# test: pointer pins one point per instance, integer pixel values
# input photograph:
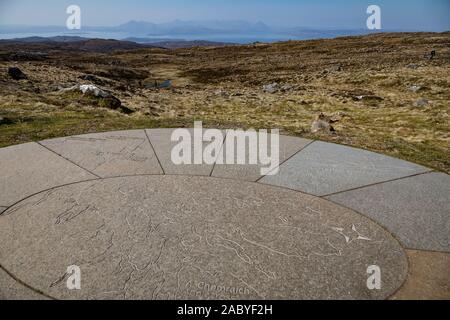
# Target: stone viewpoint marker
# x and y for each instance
(138, 227)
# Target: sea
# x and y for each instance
(142, 38)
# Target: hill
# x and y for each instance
(72, 43)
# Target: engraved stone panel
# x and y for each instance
(174, 237)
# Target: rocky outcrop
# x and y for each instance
(100, 97)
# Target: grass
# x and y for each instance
(28, 125)
(67, 123)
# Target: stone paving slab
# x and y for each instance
(29, 168)
(415, 209)
(178, 237)
(429, 277)
(242, 234)
(162, 144)
(323, 168)
(109, 154)
(288, 147)
(10, 289)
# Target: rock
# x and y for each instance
(105, 98)
(431, 55)
(271, 88)
(368, 98)
(335, 68)
(322, 123)
(415, 88)
(113, 103)
(90, 77)
(421, 103)
(221, 93)
(16, 73)
(5, 121)
(275, 87)
(287, 88)
(94, 90)
(126, 110)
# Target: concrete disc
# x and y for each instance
(184, 237)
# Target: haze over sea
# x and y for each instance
(231, 38)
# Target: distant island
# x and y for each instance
(241, 32)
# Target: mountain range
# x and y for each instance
(179, 27)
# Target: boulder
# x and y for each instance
(16, 73)
(431, 55)
(287, 88)
(113, 103)
(415, 88)
(322, 124)
(335, 68)
(103, 98)
(221, 93)
(421, 103)
(271, 88)
(373, 98)
(126, 110)
(94, 90)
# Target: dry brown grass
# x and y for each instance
(223, 87)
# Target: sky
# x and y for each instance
(420, 15)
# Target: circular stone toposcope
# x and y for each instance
(184, 237)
